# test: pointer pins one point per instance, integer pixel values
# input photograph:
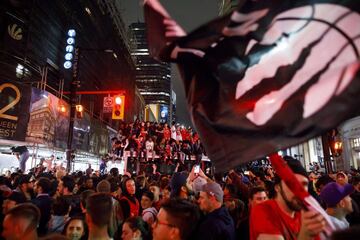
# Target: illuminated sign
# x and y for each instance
(69, 48)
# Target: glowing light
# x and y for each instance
(68, 56)
(118, 100)
(79, 108)
(71, 33)
(70, 40)
(67, 64)
(69, 48)
(62, 108)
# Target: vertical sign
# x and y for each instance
(70, 49)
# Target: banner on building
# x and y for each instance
(14, 110)
(81, 134)
(49, 119)
(99, 138)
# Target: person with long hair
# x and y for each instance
(128, 200)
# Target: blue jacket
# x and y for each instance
(217, 225)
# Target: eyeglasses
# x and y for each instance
(157, 222)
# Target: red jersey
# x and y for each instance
(134, 207)
(143, 132)
(185, 134)
(268, 218)
(167, 133)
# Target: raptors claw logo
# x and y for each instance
(311, 29)
(15, 32)
(268, 76)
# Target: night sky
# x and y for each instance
(190, 14)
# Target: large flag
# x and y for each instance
(267, 76)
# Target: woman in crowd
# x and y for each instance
(128, 201)
(75, 229)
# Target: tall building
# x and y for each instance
(153, 78)
(32, 47)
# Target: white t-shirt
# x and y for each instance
(173, 132)
(149, 215)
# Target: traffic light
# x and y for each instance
(79, 111)
(118, 107)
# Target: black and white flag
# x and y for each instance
(268, 76)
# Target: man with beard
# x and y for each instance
(65, 190)
(180, 188)
(281, 217)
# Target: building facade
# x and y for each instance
(32, 47)
(153, 78)
(349, 133)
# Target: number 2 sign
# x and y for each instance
(14, 110)
(11, 104)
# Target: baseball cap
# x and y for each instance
(333, 193)
(177, 181)
(214, 189)
(198, 184)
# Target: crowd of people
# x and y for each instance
(255, 204)
(150, 142)
(251, 202)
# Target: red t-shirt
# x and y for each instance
(185, 134)
(268, 218)
(167, 133)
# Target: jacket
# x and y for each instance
(216, 225)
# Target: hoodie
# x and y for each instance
(217, 225)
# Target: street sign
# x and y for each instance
(108, 104)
